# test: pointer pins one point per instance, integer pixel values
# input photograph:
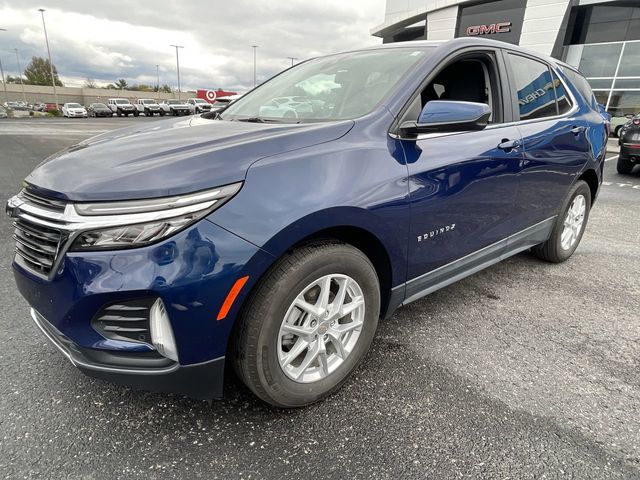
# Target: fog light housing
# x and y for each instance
(161, 332)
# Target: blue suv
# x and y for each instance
(272, 236)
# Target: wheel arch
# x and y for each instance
(592, 180)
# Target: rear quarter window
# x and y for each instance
(583, 87)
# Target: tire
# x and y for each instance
(162, 113)
(624, 167)
(553, 250)
(119, 112)
(616, 132)
(136, 113)
(255, 350)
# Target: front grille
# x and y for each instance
(48, 203)
(126, 321)
(37, 246)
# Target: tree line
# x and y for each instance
(38, 72)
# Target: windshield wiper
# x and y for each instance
(252, 120)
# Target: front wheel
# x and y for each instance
(308, 324)
(569, 226)
(616, 132)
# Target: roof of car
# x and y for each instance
(462, 42)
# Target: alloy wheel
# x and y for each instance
(321, 328)
(573, 222)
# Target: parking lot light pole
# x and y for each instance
(293, 59)
(4, 84)
(46, 39)
(24, 97)
(178, 66)
(255, 49)
(158, 78)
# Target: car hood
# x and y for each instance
(170, 157)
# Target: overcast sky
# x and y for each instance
(110, 39)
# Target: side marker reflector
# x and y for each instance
(231, 297)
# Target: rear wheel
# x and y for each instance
(308, 324)
(569, 227)
(624, 167)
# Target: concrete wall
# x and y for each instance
(37, 93)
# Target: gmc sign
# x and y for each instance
(502, 27)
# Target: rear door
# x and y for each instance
(554, 134)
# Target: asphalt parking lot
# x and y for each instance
(524, 370)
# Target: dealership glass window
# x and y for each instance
(601, 83)
(617, 87)
(600, 60)
(625, 102)
(630, 63)
(534, 86)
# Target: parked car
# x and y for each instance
(99, 110)
(148, 107)
(629, 146)
(73, 110)
(618, 121)
(3, 113)
(175, 107)
(121, 106)
(276, 244)
(198, 105)
(39, 107)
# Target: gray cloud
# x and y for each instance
(113, 39)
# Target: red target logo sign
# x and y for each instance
(210, 95)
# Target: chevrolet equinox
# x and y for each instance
(272, 236)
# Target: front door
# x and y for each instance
(462, 186)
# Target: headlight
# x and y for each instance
(138, 223)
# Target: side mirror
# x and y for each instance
(449, 116)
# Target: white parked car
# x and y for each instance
(198, 105)
(71, 110)
(121, 106)
(175, 107)
(148, 106)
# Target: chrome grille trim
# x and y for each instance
(37, 247)
(48, 203)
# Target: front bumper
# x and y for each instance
(191, 272)
(154, 373)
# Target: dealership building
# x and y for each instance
(601, 38)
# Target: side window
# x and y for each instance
(562, 97)
(582, 86)
(471, 78)
(534, 86)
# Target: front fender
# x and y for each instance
(350, 182)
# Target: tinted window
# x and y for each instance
(562, 97)
(534, 86)
(583, 87)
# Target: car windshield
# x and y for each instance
(336, 87)
(174, 102)
(148, 102)
(98, 105)
(199, 100)
(74, 105)
(121, 102)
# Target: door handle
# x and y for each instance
(508, 145)
(578, 130)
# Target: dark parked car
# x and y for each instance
(99, 110)
(276, 244)
(629, 146)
